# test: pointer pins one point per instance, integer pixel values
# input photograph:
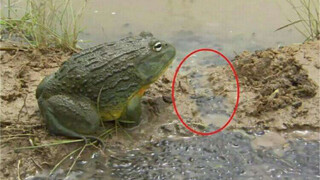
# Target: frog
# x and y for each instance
(101, 84)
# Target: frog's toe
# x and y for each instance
(128, 124)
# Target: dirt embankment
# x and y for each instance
(279, 88)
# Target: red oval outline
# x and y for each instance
(174, 102)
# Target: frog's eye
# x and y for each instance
(157, 46)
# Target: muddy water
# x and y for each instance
(227, 25)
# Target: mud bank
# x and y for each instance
(279, 88)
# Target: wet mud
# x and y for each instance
(228, 155)
(279, 88)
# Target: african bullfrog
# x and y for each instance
(105, 82)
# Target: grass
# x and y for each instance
(44, 24)
(308, 18)
(79, 150)
(50, 144)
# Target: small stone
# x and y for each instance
(297, 104)
(167, 99)
(249, 131)
(281, 57)
(165, 80)
(317, 65)
(260, 133)
(168, 128)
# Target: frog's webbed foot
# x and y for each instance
(93, 138)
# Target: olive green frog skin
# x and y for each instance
(104, 82)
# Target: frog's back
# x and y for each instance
(111, 73)
(106, 67)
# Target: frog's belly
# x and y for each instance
(111, 114)
(114, 112)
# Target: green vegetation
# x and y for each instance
(44, 23)
(308, 17)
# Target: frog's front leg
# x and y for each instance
(132, 115)
(70, 116)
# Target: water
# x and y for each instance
(226, 25)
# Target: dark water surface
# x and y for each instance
(227, 155)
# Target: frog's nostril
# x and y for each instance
(166, 44)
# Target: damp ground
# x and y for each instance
(273, 135)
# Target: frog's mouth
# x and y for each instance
(166, 68)
(158, 74)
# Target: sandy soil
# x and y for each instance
(279, 88)
(22, 125)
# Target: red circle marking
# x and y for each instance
(174, 102)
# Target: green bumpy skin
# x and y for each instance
(105, 82)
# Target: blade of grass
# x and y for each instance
(62, 160)
(290, 24)
(49, 23)
(9, 9)
(98, 105)
(299, 15)
(106, 132)
(51, 144)
(125, 121)
(75, 160)
(308, 14)
(129, 136)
